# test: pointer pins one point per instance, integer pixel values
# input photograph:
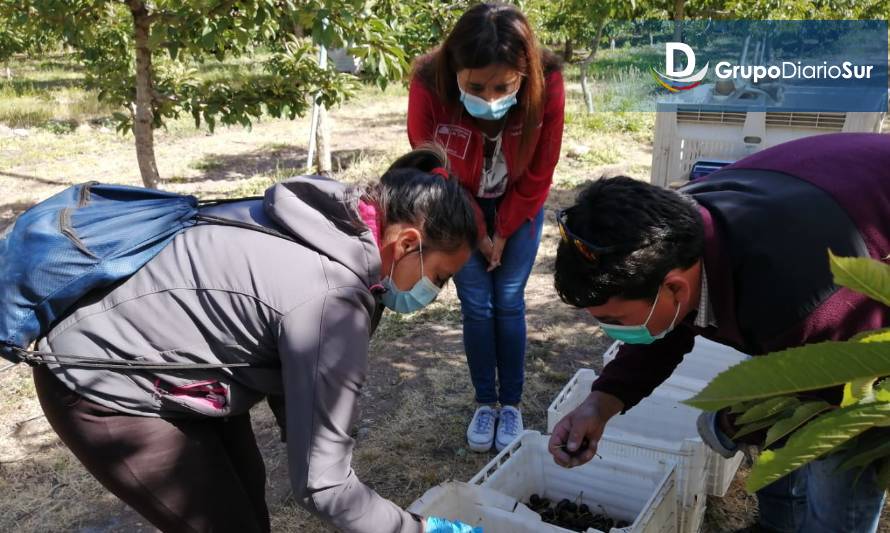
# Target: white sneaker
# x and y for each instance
(509, 426)
(480, 434)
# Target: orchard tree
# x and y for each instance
(17, 40)
(810, 9)
(419, 26)
(582, 21)
(555, 23)
(142, 55)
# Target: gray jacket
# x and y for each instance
(303, 313)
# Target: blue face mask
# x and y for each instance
(421, 294)
(639, 334)
(482, 108)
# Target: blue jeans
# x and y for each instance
(493, 309)
(816, 498)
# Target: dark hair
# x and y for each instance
(618, 211)
(408, 192)
(488, 34)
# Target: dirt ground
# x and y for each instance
(418, 399)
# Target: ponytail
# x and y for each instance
(417, 189)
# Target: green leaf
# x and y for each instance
(818, 438)
(155, 38)
(382, 66)
(768, 408)
(878, 335)
(864, 275)
(801, 415)
(882, 391)
(849, 398)
(815, 366)
(743, 406)
(868, 450)
(858, 390)
(761, 424)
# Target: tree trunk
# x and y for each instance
(585, 65)
(568, 51)
(143, 114)
(323, 143)
(679, 8)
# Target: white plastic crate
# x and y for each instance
(572, 394)
(659, 429)
(698, 368)
(697, 514)
(642, 492)
(685, 136)
(478, 507)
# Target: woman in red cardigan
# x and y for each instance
(495, 101)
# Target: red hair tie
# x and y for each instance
(440, 171)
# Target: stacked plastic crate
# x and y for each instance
(653, 471)
(698, 368)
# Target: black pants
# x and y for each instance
(189, 475)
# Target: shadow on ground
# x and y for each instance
(277, 161)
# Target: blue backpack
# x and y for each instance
(84, 238)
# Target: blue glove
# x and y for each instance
(435, 524)
(709, 431)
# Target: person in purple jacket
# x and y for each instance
(739, 257)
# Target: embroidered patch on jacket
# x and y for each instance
(455, 139)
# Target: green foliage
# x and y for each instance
(764, 391)
(419, 26)
(577, 20)
(816, 439)
(801, 415)
(871, 446)
(809, 9)
(767, 409)
(186, 34)
(808, 367)
(871, 278)
(761, 424)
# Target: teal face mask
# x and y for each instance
(482, 108)
(639, 334)
(421, 294)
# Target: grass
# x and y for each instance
(611, 136)
(48, 91)
(40, 495)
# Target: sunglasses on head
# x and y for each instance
(589, 251)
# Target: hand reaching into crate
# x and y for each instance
(574, 439)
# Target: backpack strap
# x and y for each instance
(213, 219)
(224, 201)
(35, 358)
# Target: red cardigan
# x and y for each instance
(429, 119)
